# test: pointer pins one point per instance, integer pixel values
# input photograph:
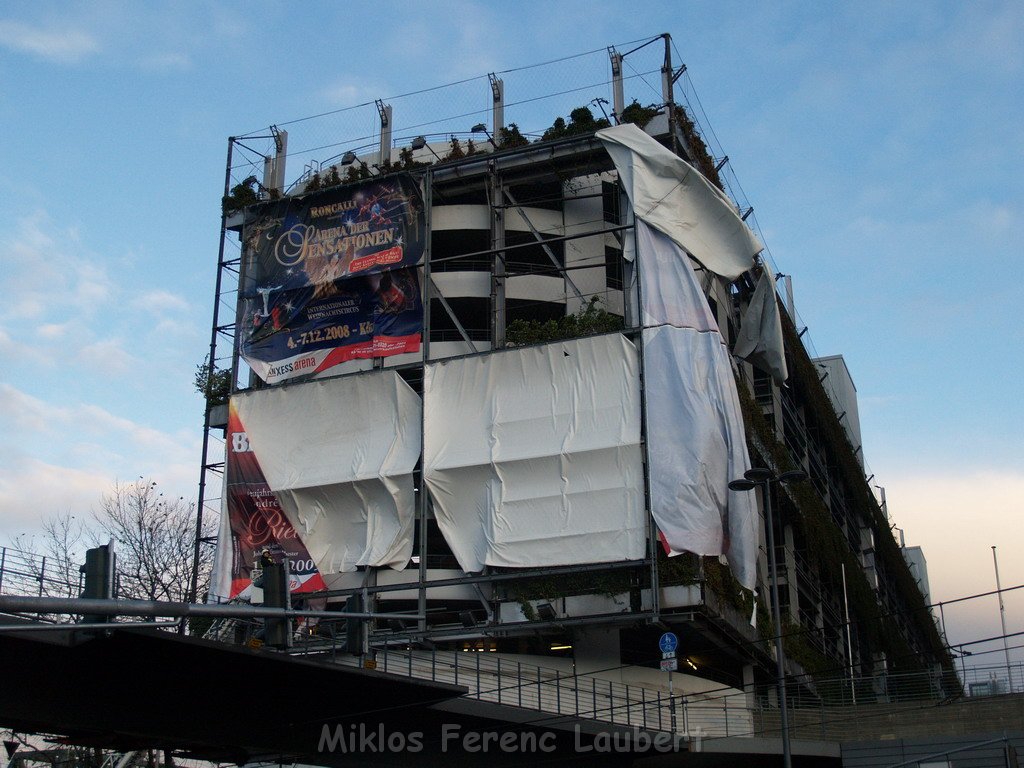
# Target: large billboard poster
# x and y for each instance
(334, 278)
(256, 521)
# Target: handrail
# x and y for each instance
(928, 758)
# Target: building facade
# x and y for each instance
(526, 256)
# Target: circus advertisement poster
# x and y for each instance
(257, 522)
(330, 277)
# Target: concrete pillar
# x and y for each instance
(596, 648)
(748, 684)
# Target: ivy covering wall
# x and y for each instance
(827, 547)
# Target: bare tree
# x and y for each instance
(48, 564)
(153, 537)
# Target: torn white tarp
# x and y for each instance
(760, 336)
(339, 454)
(695, 437)
(669, 292)
(675, 198)
(532, 456)
(696, 447)
(220, 574)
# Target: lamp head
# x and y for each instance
(348, 158)
(418, 143)
(742, 485)
(793, 476)
(478, 128)
(759, 474)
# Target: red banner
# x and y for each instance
(257, 521)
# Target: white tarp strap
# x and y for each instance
(674, 197)
(695, 438)
(223, 554)
(339, 454)
(532, 456)
(760, 337)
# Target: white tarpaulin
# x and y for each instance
(339, 454)
(675, 198)
(760, 336)
(220, 574)
(669, 291)
(695, 437)
(532, 456)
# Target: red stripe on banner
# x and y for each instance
(384, 346)
(379, 346)
(314, 583)
(664, 543)
(381, 258)
(340, 355)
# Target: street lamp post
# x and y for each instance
(1002, 618)
(759, 476)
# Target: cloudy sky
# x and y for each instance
(881, 147)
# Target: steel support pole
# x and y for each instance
(424, 500)
(546, 248)
(849, 640)
(1002, 619)
(201, 499)
(667, 73)
(496, 198)
(618, 97)
(780, 658)
(652, 526)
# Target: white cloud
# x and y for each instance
(62, 45)
(990, 41)
(12, 349)
(48, 272)
(107, 356)
(957, 514)
(59, 457)
(159, 302)
(55, 331)
(995, 222)
(22, 411)
(351, 90)
(174, 61)
(63, 305)
(31, 490)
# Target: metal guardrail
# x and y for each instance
(490, 677)
(28, 574)
(907, 704)
(993, 679)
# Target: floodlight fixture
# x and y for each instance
(420, 142)
(481, 128)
